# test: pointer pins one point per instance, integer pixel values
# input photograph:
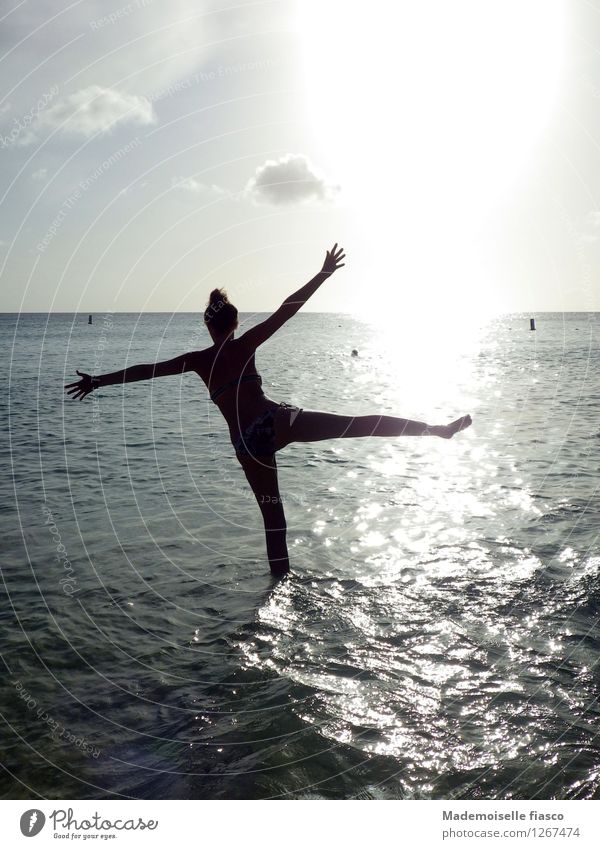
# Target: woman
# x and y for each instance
(258, 426)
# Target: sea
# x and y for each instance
(438, 636)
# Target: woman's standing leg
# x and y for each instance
(261, 473)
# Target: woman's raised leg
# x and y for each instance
(261, 473)
(309, 426)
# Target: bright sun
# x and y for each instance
(428, 111)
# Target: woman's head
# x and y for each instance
(220, 316)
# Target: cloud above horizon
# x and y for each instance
(96, 109)
(194, 186)
(291, 179)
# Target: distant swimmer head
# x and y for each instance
(220, 316)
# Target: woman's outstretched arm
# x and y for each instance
(146, 371)
(259, 334)
(333, 261)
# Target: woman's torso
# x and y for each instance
(240, 401)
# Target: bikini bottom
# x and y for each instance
(258, 438)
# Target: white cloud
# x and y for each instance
(191, 184)
(292, 179)
(40, 174)
(94, 109)
(26, 138)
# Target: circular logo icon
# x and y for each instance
(32, 822)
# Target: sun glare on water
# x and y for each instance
(428, 113)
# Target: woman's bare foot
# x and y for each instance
(448, 431)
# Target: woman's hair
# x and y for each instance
(219, 313)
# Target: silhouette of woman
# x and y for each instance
(258, 426)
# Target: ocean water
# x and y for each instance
(438, 637)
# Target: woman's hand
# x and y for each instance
(333, 260)
(82, 387)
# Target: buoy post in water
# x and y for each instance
(89, 319)
(532, 323)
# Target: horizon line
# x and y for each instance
(262, 312)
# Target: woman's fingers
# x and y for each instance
(81, 388)
(335, 252)
(333, 258)
(77, 390)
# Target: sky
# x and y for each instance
(152, 150)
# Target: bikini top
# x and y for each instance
(236, 382)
